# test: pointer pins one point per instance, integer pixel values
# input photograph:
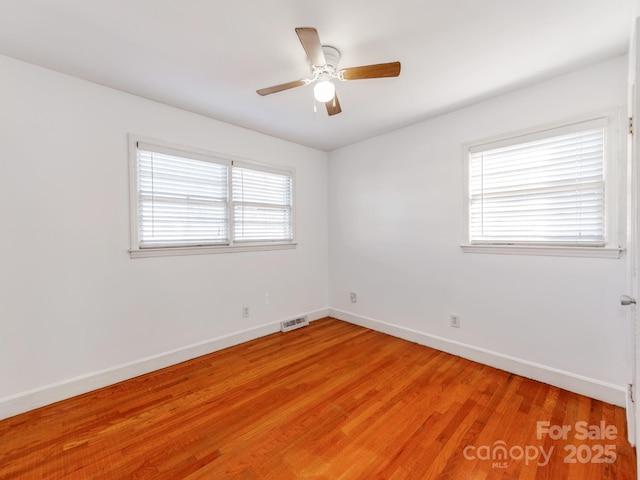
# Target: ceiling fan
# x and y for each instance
(323, 61)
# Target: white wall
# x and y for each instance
(396, 223)
(76, 311)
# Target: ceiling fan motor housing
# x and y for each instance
(329, 69)
(332, 56)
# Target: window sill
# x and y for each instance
(180, 251)
(551, 251)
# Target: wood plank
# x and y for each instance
(328, 401)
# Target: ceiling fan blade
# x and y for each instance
(379, 70)
(311, 43)
(333, 106)
(281, 87)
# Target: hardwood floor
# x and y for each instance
(329, 401)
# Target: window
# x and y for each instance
(181, 201)
(261, 205)
(187, 202)
(542, 189)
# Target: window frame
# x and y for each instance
(614, 188)
(136, 251)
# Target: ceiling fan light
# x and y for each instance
(324, 91)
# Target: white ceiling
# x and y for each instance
(210, 56)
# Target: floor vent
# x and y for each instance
(288, 325)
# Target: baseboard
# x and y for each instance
(607, 392)
(48, 394)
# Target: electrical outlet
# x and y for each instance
(455, 321)
(245, 312)
(354, 297)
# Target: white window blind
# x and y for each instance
(546, 188)
(262, 202)
(182, 201)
